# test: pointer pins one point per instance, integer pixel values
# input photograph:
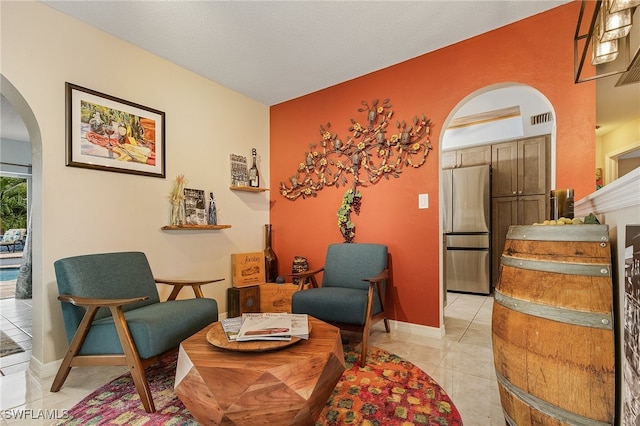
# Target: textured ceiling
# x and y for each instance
(274, 51)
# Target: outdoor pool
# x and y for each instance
(8, 274)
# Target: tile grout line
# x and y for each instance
(472, 320)
(16, 326)
(23, 312)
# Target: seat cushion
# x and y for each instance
(346, 305)
(154, 328)
(12, 236)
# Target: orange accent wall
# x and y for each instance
(537, 51)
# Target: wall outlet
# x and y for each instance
(423, 201)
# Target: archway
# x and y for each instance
(493, 114)
(23, 109)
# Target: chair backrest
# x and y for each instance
(347, 264)
(14, 235)
(104, 276)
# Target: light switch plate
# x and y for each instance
(423, 201)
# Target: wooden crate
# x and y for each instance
(242, 300)
(276, 297)
(247, 269)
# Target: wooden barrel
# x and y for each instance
(552, 326)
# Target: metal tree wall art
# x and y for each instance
(369, 152)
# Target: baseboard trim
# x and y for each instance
(417, 329)
(40, 370)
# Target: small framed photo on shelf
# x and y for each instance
(194, 207)
(239, 171)
(111, 134)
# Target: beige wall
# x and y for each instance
(615, 143)
(79, 211)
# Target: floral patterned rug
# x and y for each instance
(388, 391)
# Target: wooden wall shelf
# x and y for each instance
(247, 189)
(193, 227)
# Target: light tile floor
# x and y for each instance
(461, 363)
(15, 321)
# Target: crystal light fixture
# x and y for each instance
(618, 5)
(614, 25)
(605, 32)
(604, 51)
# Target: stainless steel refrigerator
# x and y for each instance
(467, 224)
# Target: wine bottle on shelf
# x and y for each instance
(212, 218)
(270, 258)
(254, 176)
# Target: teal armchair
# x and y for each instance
(353, 289)
(113, 315)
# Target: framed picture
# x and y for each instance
(107, 133)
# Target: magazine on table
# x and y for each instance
(264, 326)
(231, 327)
(300, 325)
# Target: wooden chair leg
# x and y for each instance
(365, 331)
(365, 344)
(74, 349)
(133, 359)
(382, 302)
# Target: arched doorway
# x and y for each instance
(494, 114)
(17, 101)
(15, 175)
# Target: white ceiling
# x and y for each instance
(274, 51)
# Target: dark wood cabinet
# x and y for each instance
(467, 157)
(532, 209)
(449, 159)
(520, 188)
(504, 213)
(475, 156)
(533, 169)
(520, 167)
(504, 169)
(514, 210)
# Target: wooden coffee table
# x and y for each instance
(287, 386)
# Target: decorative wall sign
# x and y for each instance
(239, 172)
(107, 133)
(194, 207)
(367, 154)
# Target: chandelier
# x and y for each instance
(605, 35)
